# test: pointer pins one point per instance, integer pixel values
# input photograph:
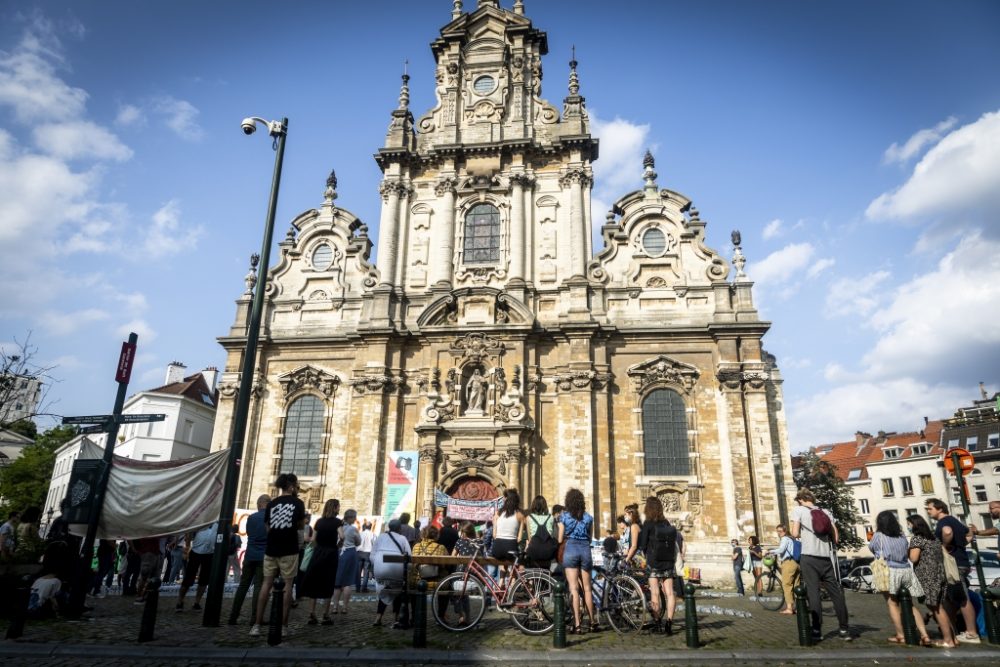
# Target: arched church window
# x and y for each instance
(482, 235)
(303, 440)
(664, 434)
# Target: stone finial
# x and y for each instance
(250, 280)
(290, 235)
(404, 90)
(330, 193)
(609, 219)
(648, 174)
(574, 80)
(456, 9)
(519, 7)
(739, 261)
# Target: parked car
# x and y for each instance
(991, 567)
(859, 579)
(848, 564)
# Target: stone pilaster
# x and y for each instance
(388, 231)
(443, 235)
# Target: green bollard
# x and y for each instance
(420, 616)
(147, 625)
(277, 611)
(690, 617)
(559, 620)
(992, 616)
(910, 633)
(802, 616)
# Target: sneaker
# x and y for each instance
(968, 638)
(196, 606)
(179, 608)
(845, 635)
(255, 630)
(817, 636)
(286, 632)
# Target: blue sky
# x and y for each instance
(856, 145)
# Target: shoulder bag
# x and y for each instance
(951, 573)
(880, 571)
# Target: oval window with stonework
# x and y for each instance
(483, 85)
(654, 242)
(322, 258)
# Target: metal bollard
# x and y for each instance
(277, 611)
(992, 616)
(910, 633)
(559, 615)
(420, 616)
(148, 623)
(690, 617)
(16, 627)
(802, 616)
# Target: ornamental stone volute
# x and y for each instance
(663, 370)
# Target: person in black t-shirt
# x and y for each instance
(284, 517)
(954, 536)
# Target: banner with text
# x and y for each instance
(401, 484)
(471, 510)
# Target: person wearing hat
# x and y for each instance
(389, 576)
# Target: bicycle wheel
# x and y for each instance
(530, 603)
(626, 604)
(458, 603)
(771, 596)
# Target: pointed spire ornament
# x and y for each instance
(404, 90)
(648, 173)
(574, 80)
(330, 194)
(739, 261)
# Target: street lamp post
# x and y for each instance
(213, 601)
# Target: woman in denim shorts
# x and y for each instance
(576, 528)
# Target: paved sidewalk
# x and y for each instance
(732, 630)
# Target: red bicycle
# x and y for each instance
(460, 599)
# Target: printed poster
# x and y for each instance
(401, 484)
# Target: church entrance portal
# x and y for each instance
(473, 488)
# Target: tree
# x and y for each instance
(25, 482)
(24, 383)
(832, 494)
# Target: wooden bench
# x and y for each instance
(440, 560)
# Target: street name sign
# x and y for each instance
(111, 419)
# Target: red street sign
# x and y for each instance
(125, 363)
(966, 462)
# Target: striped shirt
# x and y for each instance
(895, 550)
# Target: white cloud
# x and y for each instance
(80, 140)
(820, 266)
(942, 324)
(166, 235)
(781, 265)
(28, 81)
(917, 142)
(623, 144)
(856, 297)
(772, 229)
(960, 174)
(891, 405)
(140, 327)
(130, 115)
(180, 116)
(63, 324)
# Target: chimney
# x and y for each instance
(175, 372)
(210, 374)
(926, 422)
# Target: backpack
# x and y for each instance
(664, 543)
(796, 550)
(821, 524)
(542, 546)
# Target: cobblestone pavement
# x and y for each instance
(729, 624)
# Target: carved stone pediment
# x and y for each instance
(665, 370)
(476, 347)
(474, 307)
(308, 377)
(373, 383)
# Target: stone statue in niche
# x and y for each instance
(475, 393)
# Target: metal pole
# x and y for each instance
(217, 581)
(559, 615)
(910, 633)
(690, 617)
(802, 619)
(420, 616)
(78, 593)
(147, 625)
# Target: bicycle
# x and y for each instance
(618, 596)
(767, 586)
(526, 594)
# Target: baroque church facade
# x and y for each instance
(491, 338)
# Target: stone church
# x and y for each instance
(494, 340)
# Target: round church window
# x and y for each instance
(322, 257)
(654, 241)
(483, 85)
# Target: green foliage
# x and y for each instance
(25, 482)
(24, 427)
(832, 494)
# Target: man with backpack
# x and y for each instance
(817, 531)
